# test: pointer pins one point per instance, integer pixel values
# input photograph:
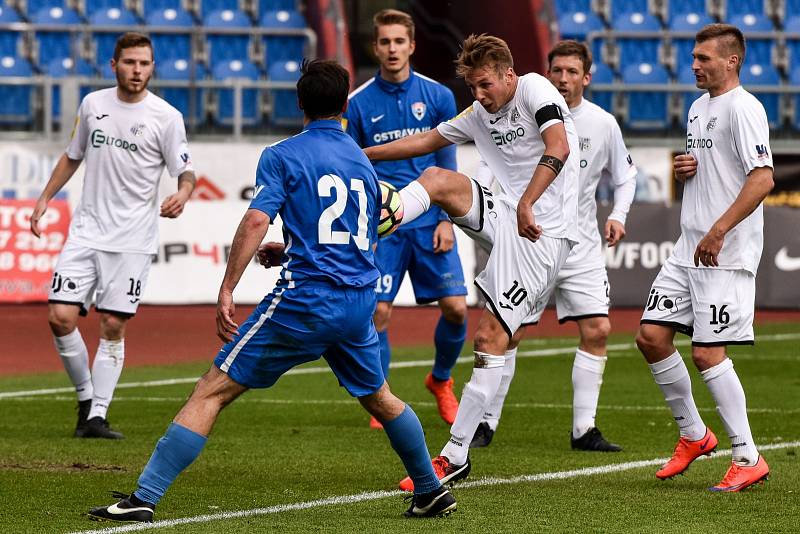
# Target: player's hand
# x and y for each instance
(270, 254)
(707, 251)
(173, 205)
(526, 224)
(615, 232)
(226, 327)
(443, 237)
(685, 167)
(38, 212)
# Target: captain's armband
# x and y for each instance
(552, 163)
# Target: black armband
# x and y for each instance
(550, 112)
(552, 163)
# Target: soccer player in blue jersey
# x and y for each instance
(326, 193)
(395, 103)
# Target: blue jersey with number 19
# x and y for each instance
(326, 193)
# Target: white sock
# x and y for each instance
(105, 373)
(75, 357)
(672, 377)
(725, 387)
(478, 392)
(416, 201)
(587, 377)
(495, 409)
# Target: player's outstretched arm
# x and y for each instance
(408, 147)
(251, 231)
(172, 206)
(62, 172)
(758, 185)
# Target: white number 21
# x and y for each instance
(329, 236)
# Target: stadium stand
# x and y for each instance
(55, 43)
(279, 47)
(227, 46)
(647, 109)
(16, 104)
(284, 105)
(180, 69)
(251, 109)
(168, 45)
(602, 74)
(753, 77)
(104, 41)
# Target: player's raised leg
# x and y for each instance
(450, 190)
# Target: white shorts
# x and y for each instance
(116, 280)
(581, 293)
(520, 273)
(713, 306)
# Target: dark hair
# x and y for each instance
(387, 17)
(479, 51)
(730, 40)
(322, 89)
(131, 40)
(571, 48)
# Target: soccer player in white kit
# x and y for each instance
(706, 288)
(523, 130)
(127, 136)
(581, 288)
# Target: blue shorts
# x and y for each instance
(300, 324)
(433, 276)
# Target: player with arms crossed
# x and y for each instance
(399, 101)
(706, 288)
(581, 288)
(127, 136)
(326, 193)
(523, 130)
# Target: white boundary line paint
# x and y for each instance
(375, 495)
(539, 353)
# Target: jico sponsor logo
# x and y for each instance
(660, 302)
(99, 138)
(508, 137)
(692, 142)
(391, 135)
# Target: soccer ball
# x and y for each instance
(391, 209)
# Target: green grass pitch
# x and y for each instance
(305, 442)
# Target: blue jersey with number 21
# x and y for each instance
(326, 193)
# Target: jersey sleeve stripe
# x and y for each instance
(360, 88)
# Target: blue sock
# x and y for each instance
(449, 340)
(408, 440)
(174, 452)
(386, 352)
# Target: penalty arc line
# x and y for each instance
(375, 495)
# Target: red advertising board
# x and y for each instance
(27, 262)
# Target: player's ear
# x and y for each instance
(412, 47)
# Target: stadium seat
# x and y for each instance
(209, 6)
(15, 106)
(284, 101)
(93, 6)
(602, 73)
(180, 97)
(168, 46)
(577, 25)
(793, 44)
(682, 48)
(759, 48)
(744, 7)
(34, 6)
(231, 69)
(150, 6)
(686, 77)
(754, 75)
(283, 47)
(794, 80)
(677, 8)
(647, 110)
(281, 5)
(621, 8)
(61, 68)
(227, 47)
(106, 41)
(57, 43)
(10, 41)
(642, 49)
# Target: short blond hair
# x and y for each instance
(479, 51)
(387, 17)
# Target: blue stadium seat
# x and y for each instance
(793, 44)
(10, 41)
(227, 70)
(601, 73)
(106, 41)
(647, 110)
(55, 44)
(619, 8)
(149, 6)
(168, 46)
(93, 6)
(751, 22)
(209, 6)
(682, 48)
(180, 97)
(578, 24)
(34, 6)
(284, 101)
(745, 7)
(288, 5)
(754, 75)
(61, 68)
(283, 47)
(759, 49)
(686, 77)
(681, 7)
(689, 22)
(15, 106)
(638, 50)
(227, 46)
(794, 79)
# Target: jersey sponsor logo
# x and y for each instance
(376, 119)
(100, 138)
(762, 151)
(660, 302)
(507, 137)
(418, 109)
(711, 124)
(101, 117)
(784, 262)
(692, 142)
(391, 135)
(67, 285)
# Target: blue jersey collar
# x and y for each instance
(326, 123)
(391, 87)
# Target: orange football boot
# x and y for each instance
(446, 401)
(445, 472)
(685, 453)
(374, 423)
(740, 477)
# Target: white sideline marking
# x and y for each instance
(397, 365)
(375, 495)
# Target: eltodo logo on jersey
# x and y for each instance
(418, 110)
(691, 142)
(508, 137)
(99, 138)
